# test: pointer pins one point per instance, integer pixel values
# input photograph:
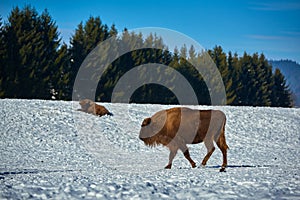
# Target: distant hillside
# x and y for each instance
(291, 71)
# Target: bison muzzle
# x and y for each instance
(177, 127)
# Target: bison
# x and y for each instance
(91, 107)
(177, 127)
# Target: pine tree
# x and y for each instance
(264, 82)
(175, 59)
(31, 42)
(203, 78)
(3, 60)
(50, 62)
(121, 65)
(281, 95)
(220, 59)
(247, 77)
(113, 30)
(85, 39)
(13, 59)
(234, 71)
(62, 89)
(258, 97)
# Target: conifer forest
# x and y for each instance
(37, 64)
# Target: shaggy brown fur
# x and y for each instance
(177, 127)
(91, 107)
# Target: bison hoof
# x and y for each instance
(223, 169)
(168, 167)
(194, 165)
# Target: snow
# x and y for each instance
(50, 150)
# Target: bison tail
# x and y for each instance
(223, 135)
(221, 140)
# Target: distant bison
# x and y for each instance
(91, 107)
(177, 127)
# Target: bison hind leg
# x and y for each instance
(223, 147)
(221, 143)
(223, 169)
(186, 154)
(174, 146)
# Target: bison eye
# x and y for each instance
(143, 124)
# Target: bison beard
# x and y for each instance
(91, 107)
(177, 127)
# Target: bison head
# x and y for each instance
(85, 104)
(152, 129)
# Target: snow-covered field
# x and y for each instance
(50, 150)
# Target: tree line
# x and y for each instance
(36, 64)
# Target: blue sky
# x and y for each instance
(269, 27)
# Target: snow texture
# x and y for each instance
(50, 150)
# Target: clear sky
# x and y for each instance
(263, 26)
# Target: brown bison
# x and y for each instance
(177, 127)
(91, 107)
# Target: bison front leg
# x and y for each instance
(172, 155)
